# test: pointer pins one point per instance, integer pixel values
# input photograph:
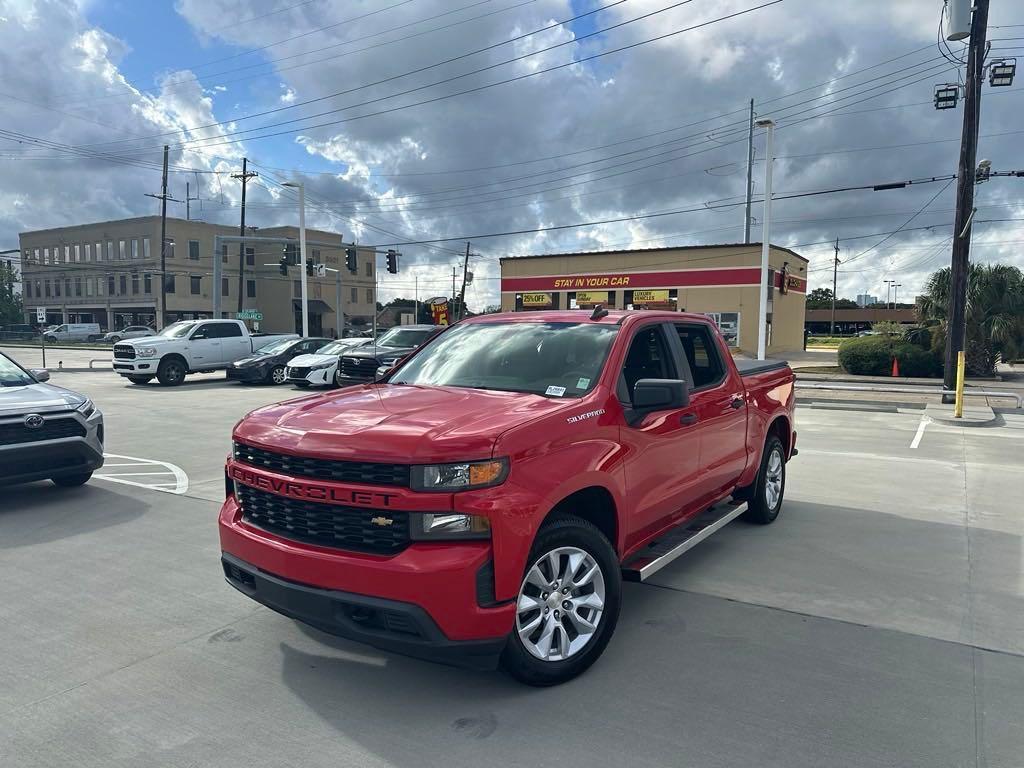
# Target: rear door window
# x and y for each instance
(702, 354)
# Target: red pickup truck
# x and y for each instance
(484, 501)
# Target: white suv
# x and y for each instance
(130, 332)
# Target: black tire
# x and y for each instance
(140, 379)
(114, 339)
(759, 510)
(276, 375)
(71, 481)
(568, 531)
(171, 373)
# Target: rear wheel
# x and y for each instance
(277, 375)
(71, 481)
(114, 339)
(171, 373)
(568, 604)
(765, 498)
(140, 379)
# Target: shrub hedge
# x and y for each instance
(873, 356)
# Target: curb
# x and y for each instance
(974, 415)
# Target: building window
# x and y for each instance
(195, 284)
(67, 286)
(369, 268)
(224, 253)
(78, 252)
(193, 250)
(355, 295)
(145, 247)
(46, 255)
(110, 250)
(56, 287)
(169, 283)
(121, 250)
(296, 287)
(89, 288)
(46, 287)
(316, 255)
(147, 283)
(110, 285)
(169, 247)
(225, 286)
(67, 254)
(78, 286)
(250, 257)
(250, 289)
(123, 285)
(369, 296)
(88, 251)
(39, 288)
(135, 248)
(135, 283)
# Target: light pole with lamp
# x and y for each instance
(766, 229)
(302, 253)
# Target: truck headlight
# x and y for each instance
(436, 527)
(459, 477)
(146, 352)
(87, 408)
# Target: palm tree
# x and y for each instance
(995, 314)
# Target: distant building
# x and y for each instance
(108, 273)
(866, 300)
(849, 321)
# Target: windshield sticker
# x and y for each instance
(582, 383)
(582, 416)
(556, 391)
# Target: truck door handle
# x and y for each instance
(687, 419)
(737, 402)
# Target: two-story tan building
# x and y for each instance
(109, 273)
(721, 281)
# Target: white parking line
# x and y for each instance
(925, 421)
(167, 477)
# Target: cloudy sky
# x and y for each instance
(442, 120)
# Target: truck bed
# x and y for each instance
(753, 367)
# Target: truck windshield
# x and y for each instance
(550, 359)
(405, 337)
(177, 330)
(12, 376)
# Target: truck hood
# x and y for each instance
(384, 353)
(394, 423)
(33, 398)
(151, 341)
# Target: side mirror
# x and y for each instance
(40, 374)
(659, 395)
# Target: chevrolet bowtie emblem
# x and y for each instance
(382, 521)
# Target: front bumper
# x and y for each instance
(249, 374)
(27, 462)
(388, 624)
(141, 366)
(317, 377)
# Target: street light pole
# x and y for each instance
(302, 254)
(766, 232)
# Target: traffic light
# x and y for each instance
(309, 267)
(393, 262)
(282, 266)
(350, 260)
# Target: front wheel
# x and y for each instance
(277, 375)
(72, 481)
(765, 500)
(568, 604)
(171, 373)
(114, 339)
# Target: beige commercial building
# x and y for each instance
(108, 273)
(717, 280)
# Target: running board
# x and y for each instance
(671, 545)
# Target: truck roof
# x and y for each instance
(613, 316)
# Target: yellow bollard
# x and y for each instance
(958, 408)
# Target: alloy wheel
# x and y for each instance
(773, 479)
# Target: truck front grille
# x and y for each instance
(365, 472)
(124, 352)
(382, 532)
(359, 368)
(53, 428)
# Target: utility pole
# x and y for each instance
(750, 174)
(303, 281)
(451, 309)
(895, 294)
(244, 177)
(462, 296)
(162, 197)
(835, 270)
(766, 227)
(416, 293)
(956, 334)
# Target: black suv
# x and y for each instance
(361, 365)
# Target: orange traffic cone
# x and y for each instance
(895, 368)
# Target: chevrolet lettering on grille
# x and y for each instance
(311, 491)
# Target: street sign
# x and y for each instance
(249, 314)
(40, 314)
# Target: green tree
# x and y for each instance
(10, 302)
(995, 314)
(821, 298)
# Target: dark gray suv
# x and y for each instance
(46, 432)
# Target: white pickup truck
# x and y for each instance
(189, 346)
